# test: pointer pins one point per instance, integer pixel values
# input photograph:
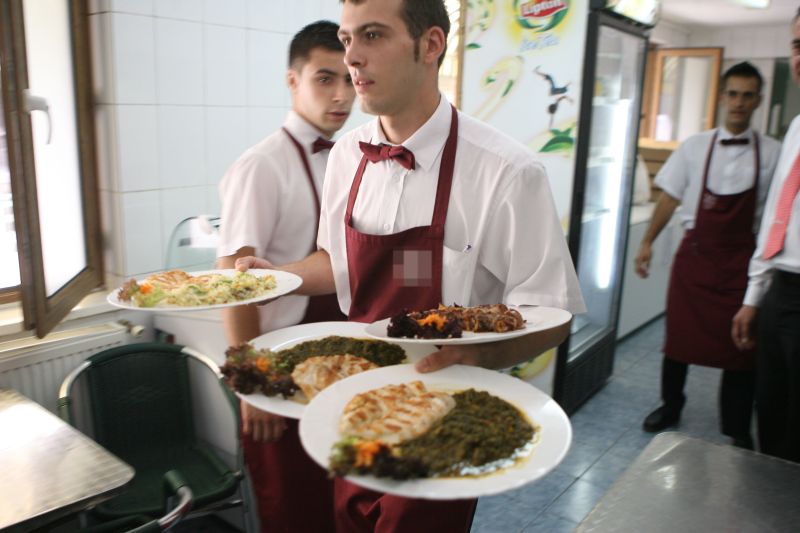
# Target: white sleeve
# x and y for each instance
(249, 193)
(673, 177)
(524, 246)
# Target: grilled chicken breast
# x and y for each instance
(394, 413)
(317, 373)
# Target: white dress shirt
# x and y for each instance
(731, 171)
(503, 241)
(789, 258)
(267, 204)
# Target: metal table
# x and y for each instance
(48, 469)
(679, 483)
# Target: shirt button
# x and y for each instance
(387, 227)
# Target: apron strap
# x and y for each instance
(302, 153)
(446, 173)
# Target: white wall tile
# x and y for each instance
(225, 12)
(261, 121)
(181, 145)
(141, 224)
(137, 137)
(134, 59)
(139, 7)
(178, 205)
(213, 203)
(225, 64)
(226, 139)
(102, 60)
(301, 14)
(267, 15)
(179, 64)
(105, 129)
(330, 11)
(267, 55)
(180, 9)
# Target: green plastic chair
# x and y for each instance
(137, 402)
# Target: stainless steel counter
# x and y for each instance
(683, 484)
(49, 469)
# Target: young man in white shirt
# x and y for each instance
(720, 179)
(426, 205)
(773, 293)
(270, 207)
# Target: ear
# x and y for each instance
(758, 101)
(292, 79)
(432, 44)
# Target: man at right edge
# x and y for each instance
(773, 295)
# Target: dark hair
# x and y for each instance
(420, 15)
(743, 70)
(320, 34)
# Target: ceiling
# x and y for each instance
(726, 13)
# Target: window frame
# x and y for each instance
(41, 312)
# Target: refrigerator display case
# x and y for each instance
(613, 77)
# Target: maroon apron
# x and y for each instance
(389, 273)
(709, 277)
(322, 308)
(293, 493)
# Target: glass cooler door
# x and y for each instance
(607, 183)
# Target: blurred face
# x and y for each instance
(322, 92)
(379, 52)
(740, 97)
(796, 51)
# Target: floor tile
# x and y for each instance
(607, 437)
(576, 502)
(549, 523)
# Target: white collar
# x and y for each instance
(428, 140)
(302, 130)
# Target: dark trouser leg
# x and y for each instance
(778, 380)
(673, 380)
(736, 393)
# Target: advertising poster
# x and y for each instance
(521, 73)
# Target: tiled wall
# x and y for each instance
(182, 88)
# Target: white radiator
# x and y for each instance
(36, 367)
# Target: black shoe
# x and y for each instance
(745, 442)
(661, 419)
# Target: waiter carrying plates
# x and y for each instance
(426, 205)
(720, 179)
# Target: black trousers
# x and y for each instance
(778, 387)
(736, 393)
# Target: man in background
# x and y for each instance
(773, 293)
(270, 207)
(720, 179)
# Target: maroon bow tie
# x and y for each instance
(381, 152)
(730, 142)
(321, 144)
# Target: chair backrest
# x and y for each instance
(140, 397)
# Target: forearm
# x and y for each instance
(508, 353)
(316, 272)
(502, 354)
(662, 214)
(241, 324)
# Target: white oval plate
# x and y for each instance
(536, 319)
(319, 429)
(286, 283)
(293, 335)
